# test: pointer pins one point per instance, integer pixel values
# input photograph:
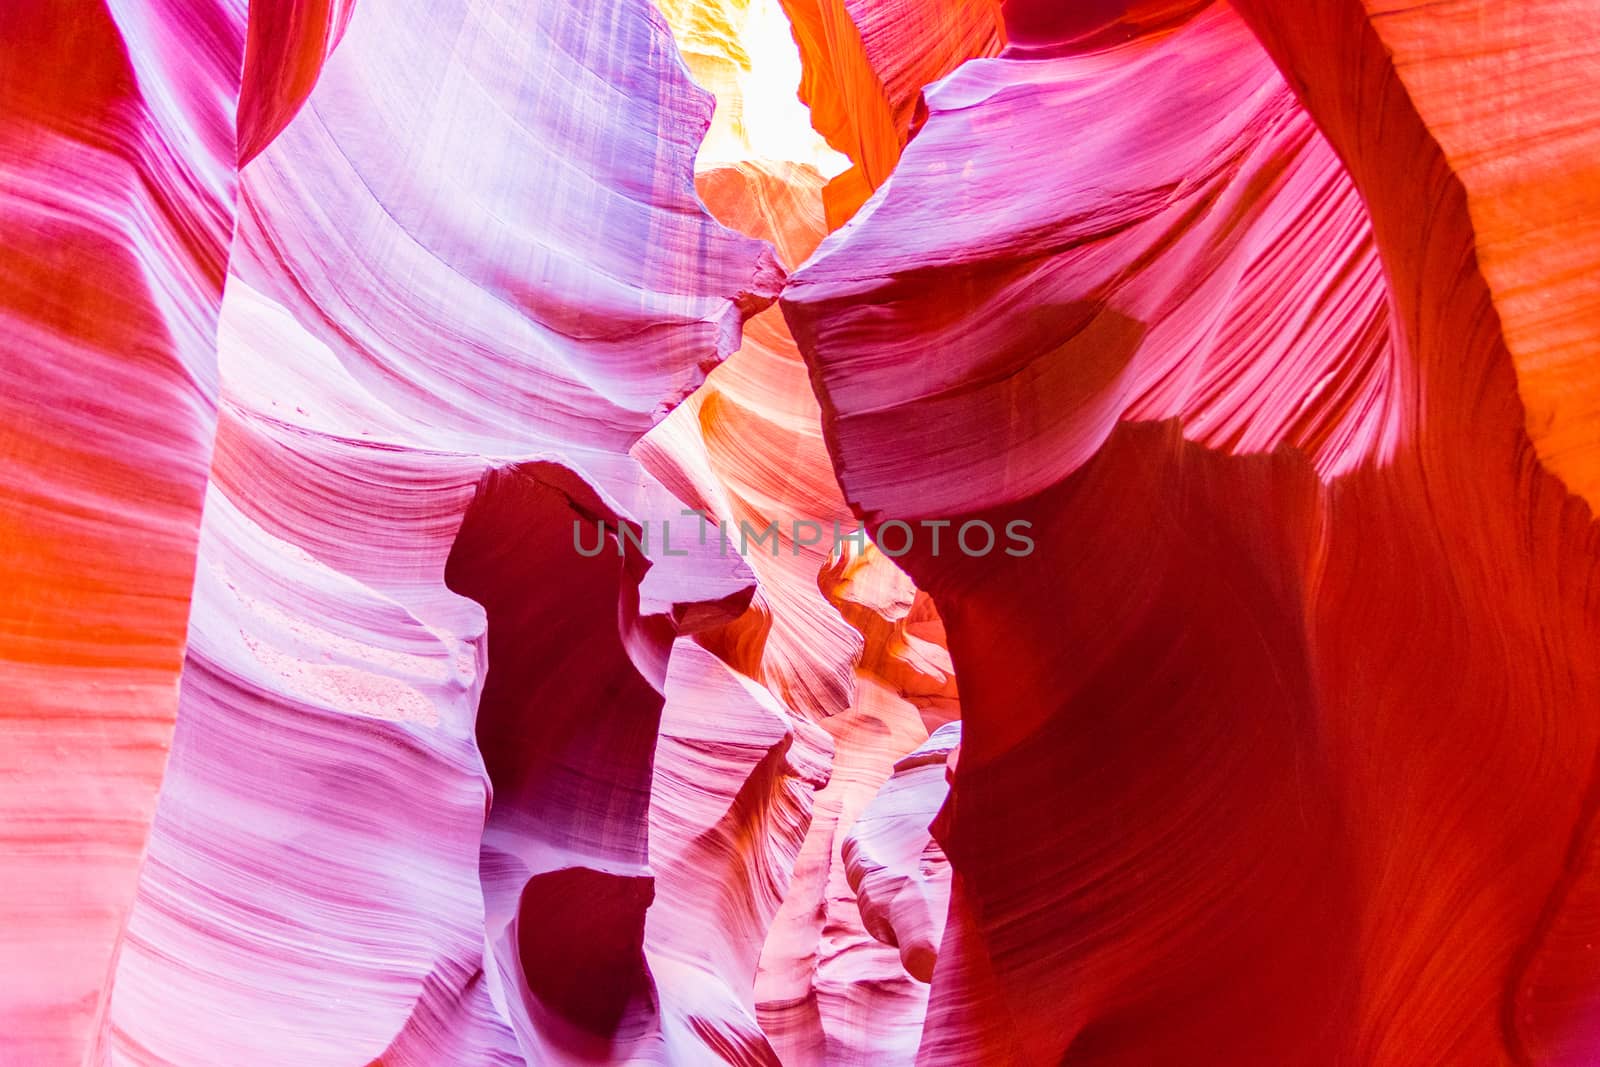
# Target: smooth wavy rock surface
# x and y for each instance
(1298, 565)
(1160, 290)
(288, 42)
(1509, 94)
(356, 359)
(426, 369)
(117, 183)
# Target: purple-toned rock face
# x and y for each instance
(799, 532)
